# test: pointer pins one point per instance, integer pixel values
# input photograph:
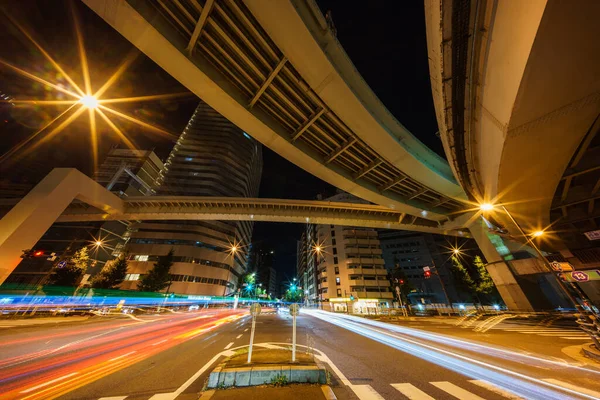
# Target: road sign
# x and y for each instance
(561, 266)
(592, 235)
(255, 309)
(580, 276)
(294, 309)
(425, 269)
(61, 264)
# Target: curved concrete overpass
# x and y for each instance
(516, 87)
(275, 70)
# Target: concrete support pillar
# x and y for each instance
(508, 287)
(27, 221)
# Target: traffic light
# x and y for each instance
(36, 254)
(401, 281)
(427, 274)
(351, 298)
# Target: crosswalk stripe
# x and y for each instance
(495, 389)
(573, 387)
(412, 392)
(456, 391)
(365, 392)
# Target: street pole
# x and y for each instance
(254, 311)
(442, 283)
(545, 262)
(294, 309)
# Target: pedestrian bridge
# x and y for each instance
(67, 195)
(276, 70)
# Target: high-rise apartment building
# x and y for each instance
(129, 172)
(212, 157)
(349, 270)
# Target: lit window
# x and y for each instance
(132, 277)
(188, 159)
(247, 136)
(141, 258)
(337, 281)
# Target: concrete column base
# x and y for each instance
(508, 287)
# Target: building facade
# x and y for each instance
(64, 239)
(212, 157)
(345, 267)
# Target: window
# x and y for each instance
(132, 277)
(337, 280)
(246, 135)
(339, 292)
(337, 270)
(334, 250)
(188, 159)
(333, 242)
(335, 260)
(332, 234)
(141, 258)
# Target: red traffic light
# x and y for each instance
(427, 274)
(401, 281)
(38, 253)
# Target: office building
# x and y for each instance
(212, 157)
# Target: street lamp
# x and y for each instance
(561, 284)
(89, 101)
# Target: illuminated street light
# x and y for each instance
(456, 251)
(537, 233)
(318, 249)
(486, 207)
(234, 248)
(98, 243)
(89, 101)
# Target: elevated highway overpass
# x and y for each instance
(275, 69)
(516, 88)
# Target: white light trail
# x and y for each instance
(511, 381)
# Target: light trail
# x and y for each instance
(512, 381)
(98, 356)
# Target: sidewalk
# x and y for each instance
(13, 323)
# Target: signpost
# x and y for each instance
(294, 310)
(255, 312)
(593, 235)
(561, 266)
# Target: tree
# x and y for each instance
(81, 259)
(70, 274)
(293, 296)
(462, 277)
(158, 277)
(485, 284)
(112, 275)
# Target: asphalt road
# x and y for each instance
(170, 356)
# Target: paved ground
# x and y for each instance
(170, 356)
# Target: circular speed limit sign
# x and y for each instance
(294, 309)
(255, 309)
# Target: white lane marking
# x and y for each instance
(412, 392)
(575, 338)
(113, 398)
(162, 341)
(365, 392)
(456, 391)
(182, 388)
(246, 330)
(121, 356)
(495, 389)
(579, 389)
(49, 382)
(229, 345)
(239, 336)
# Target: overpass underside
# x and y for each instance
(271, 77)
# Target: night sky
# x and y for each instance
(384, 39)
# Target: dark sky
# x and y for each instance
(384, 39)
